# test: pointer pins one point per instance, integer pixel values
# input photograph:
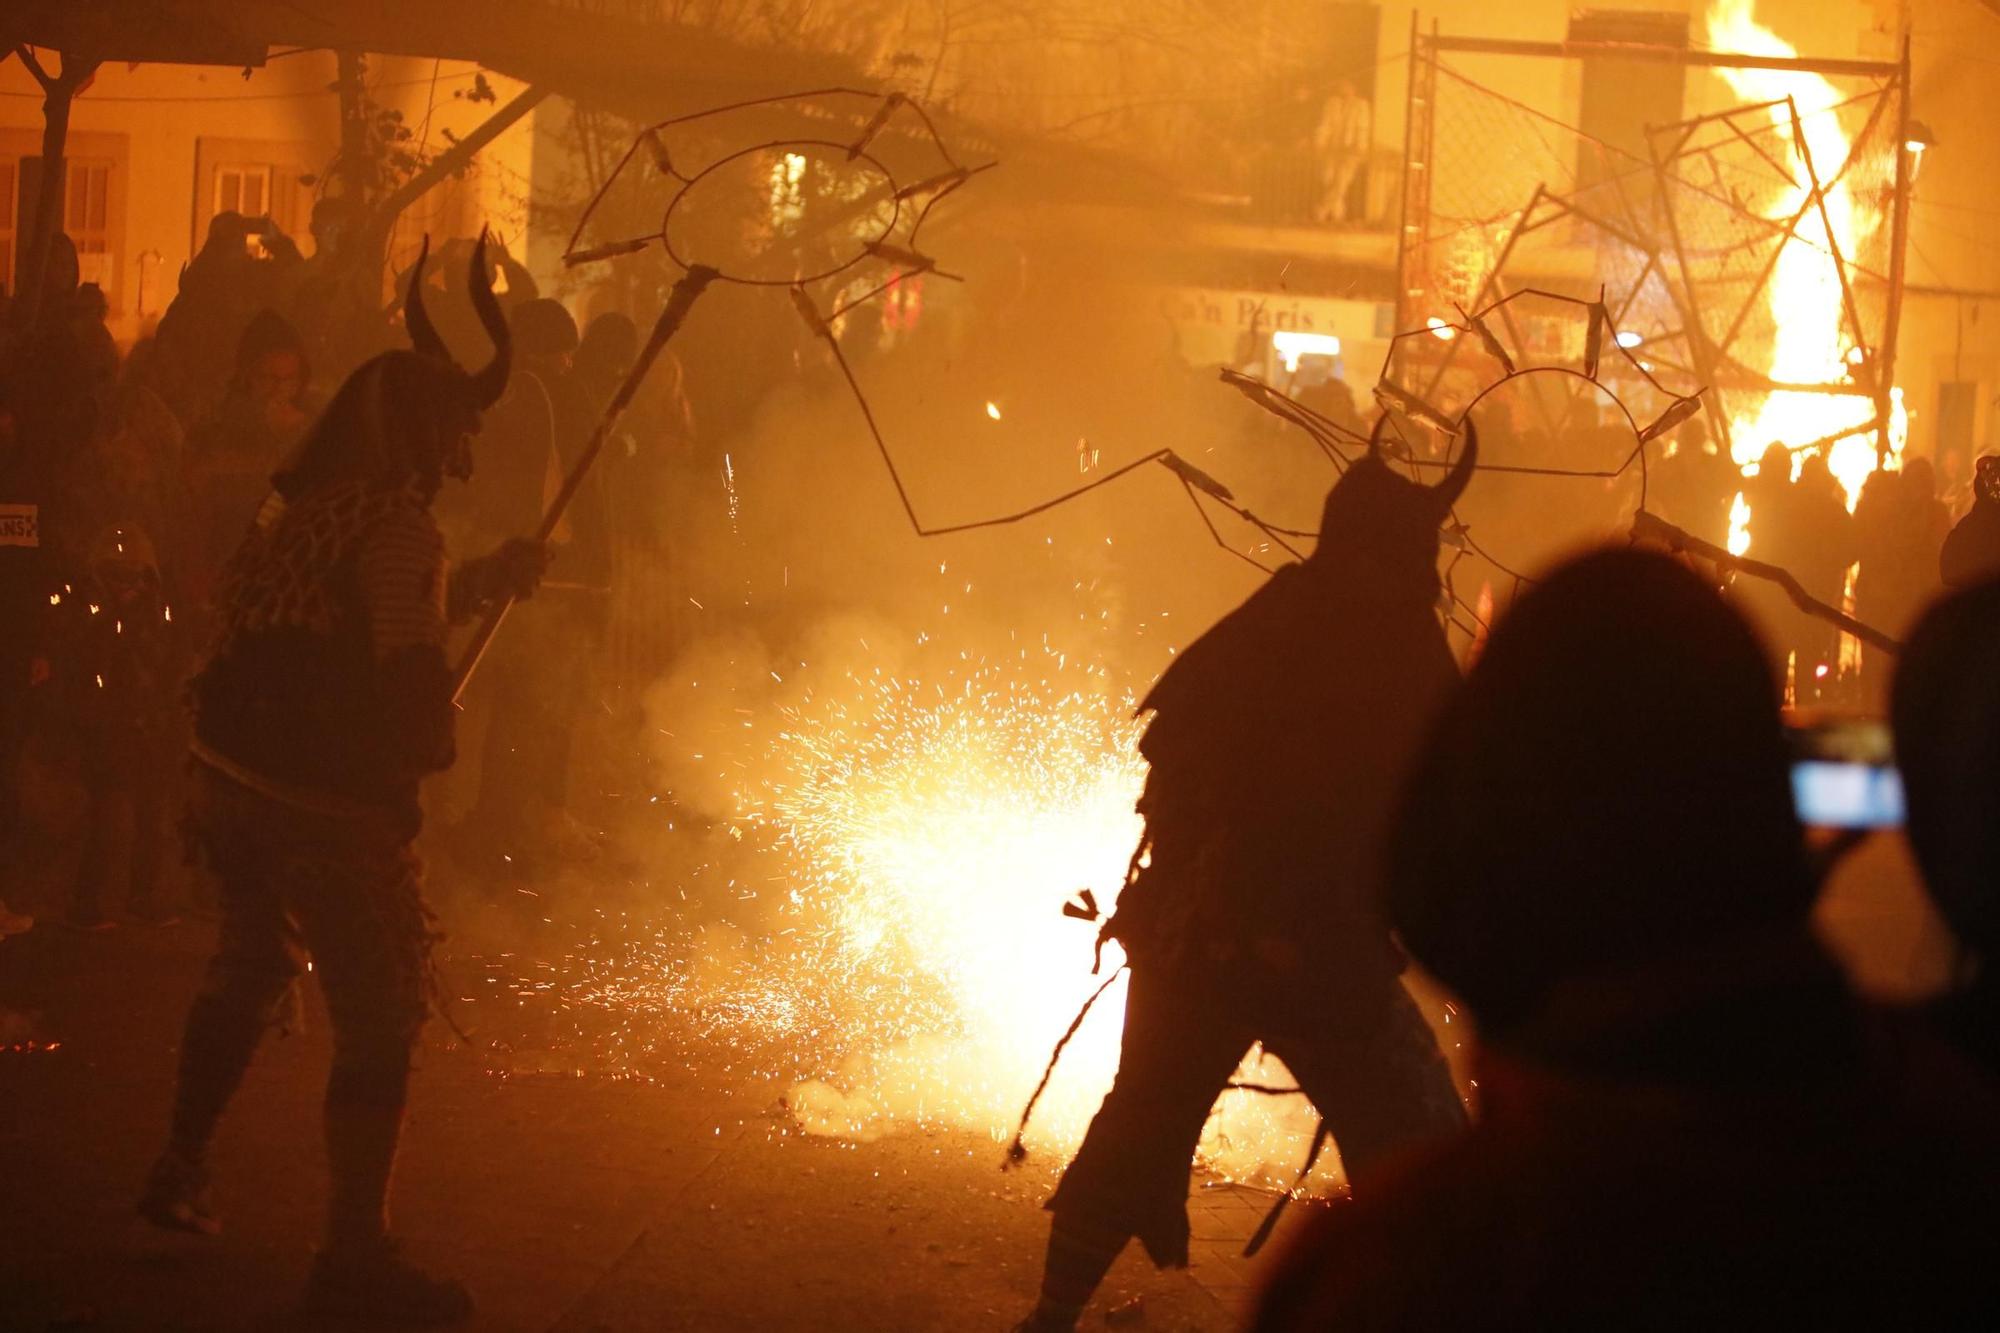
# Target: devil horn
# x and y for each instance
(1375, 436)
(490, 382)
(417, 320)
(1445, 494)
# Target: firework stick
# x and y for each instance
(1647, 526)
(691, 285)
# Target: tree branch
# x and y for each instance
(454, 159)
(42, 76)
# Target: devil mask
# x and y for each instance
(1387, 519)
(406, 416)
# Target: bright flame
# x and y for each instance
(788, 200)
(993, 410)
(1739, 525)
(1441, 330)
(940, 828)
(1804, 292)
(898, 841)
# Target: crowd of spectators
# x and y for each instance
(128, 477)
(1686, 1116)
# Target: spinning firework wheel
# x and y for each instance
(820, 193)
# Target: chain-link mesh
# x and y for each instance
(1718, 229)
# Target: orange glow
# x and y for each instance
(932, 822)
(1804, 292)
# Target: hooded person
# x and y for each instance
(1946, 712)
(1687, 1118)
(1971, 553)
(1276, 744)
(324, 701)
(232, 452)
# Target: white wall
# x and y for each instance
(161, 111)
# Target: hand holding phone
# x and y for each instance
(1844, 774)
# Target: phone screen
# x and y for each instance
(1828, 794)
(1844, 775)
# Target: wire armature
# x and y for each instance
(894, 248)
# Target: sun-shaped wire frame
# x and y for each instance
(823, 193)
(895, 151)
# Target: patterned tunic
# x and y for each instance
(327, 685)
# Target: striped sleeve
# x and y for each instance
(401, 569)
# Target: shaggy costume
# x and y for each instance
(324, 702)
(1277, 745)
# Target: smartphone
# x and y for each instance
(1844, 774)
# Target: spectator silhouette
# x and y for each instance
(1822, 549)
(221, 291)
(232, 452)
(127, 473)
(1696, 484)
(1946, 711)
(1900, 529)
(95, 347)
(56, 378)
(643, 453)
(1686, 1120)
(536, 681)
(1971, 553)
(112, 667)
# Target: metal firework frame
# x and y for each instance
(821, 297)
(1601, 360)
(1675, 230)
(895, 250)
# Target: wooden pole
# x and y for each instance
(1899, 239)
(1650, 527)
(454, 159)
(691, 285)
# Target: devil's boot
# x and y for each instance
(360, 1274)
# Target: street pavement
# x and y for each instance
(578, 1194)
(568, 1201)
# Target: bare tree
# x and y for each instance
(59, 90)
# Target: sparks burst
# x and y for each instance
(926, 825)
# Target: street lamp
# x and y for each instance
(1916, 139)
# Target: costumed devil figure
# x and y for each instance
(1277, 743)
(324, 700)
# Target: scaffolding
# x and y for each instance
(1680, 245)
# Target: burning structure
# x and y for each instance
(1754, 252)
